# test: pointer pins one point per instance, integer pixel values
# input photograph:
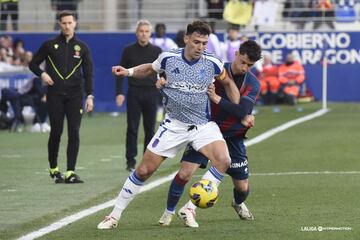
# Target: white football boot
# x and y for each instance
(243, 212)
(188, 215)
(166, 218)
(108, 223)
(45, 127)
(35, 128)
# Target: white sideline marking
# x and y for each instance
(284, 126)
(77, 216)
(304, 173)
(10, 156)
(299, 173)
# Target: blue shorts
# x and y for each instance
(239, 168)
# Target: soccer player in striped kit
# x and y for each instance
(189, 72)
(234, 120)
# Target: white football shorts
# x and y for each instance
(173, 136)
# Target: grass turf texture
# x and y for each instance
(282, 205)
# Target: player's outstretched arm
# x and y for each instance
(230, 87)
(140, 71)
(237, 110)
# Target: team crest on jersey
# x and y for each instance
(202, 73)
(77, 49)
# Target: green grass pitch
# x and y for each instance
(320, 187)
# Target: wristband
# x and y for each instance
(131, 72)
(90, 96)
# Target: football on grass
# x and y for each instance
(204, 193)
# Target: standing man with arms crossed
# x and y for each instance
(68, 61)
(189, 73)
(234, 120)
(142, 96)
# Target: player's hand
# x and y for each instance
(120, 100)
(89, 104)
(160, 83)
(120, 71)
(46, 79)
(212, 94)
(248, 121)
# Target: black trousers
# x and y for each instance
(40, 108)
(59, 107)
(140, 101)
(12, 10)
(13, 96)
(18, 101)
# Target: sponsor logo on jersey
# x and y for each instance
(239, 165)
(189, 87)
(77, 55)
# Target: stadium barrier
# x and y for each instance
(341, 48)
(15, 79)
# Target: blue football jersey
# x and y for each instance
(185, 96)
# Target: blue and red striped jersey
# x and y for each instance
(228, 115)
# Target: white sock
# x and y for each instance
(170, 212)
(212, 174)
(190, 205)
(130, 189)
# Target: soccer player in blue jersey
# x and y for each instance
(234, 120)
(189, 72)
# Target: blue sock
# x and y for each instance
(135, 179)
(240, 197)
(175, 191)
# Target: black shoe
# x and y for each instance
(130, 167)
(58, 177)
(73, 178)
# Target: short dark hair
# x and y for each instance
(66, 13)
(198, 26)
(251, 49)
(160, 25)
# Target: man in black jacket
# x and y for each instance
(68, 61)
(142, 96)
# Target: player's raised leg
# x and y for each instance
(131, 188)
(211, 144)
(217, 152)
